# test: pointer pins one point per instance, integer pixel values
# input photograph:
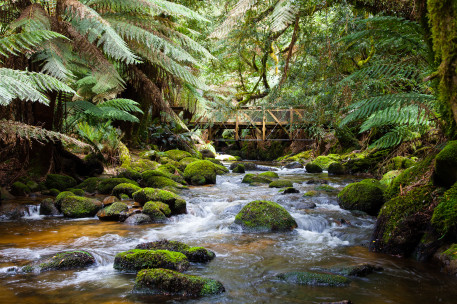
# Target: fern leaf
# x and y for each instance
(123, 104)
(18, 43)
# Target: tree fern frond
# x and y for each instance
(55, 57)
(233, 17)
(18, 43)
(283, 15)
(116, 114)
(394, 137)
(123, 104)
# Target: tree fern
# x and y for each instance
(395, 137)
(15, 44)
(283, 14)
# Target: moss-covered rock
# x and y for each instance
(444, 218)
(162, 182)
(389, 177)
(157, 211)
(90, 184)
(62, 261)
(60, 182)
(194, 254)
(137, 259)
(53, 192)
(200, 173)
(47, 207)
(61, 196)
(186, 161)
(76, 206)
(177, 155)
(33, 186)
(324, 161)
(365, 162)
(208, 153)
(325, 188)
(254, 179)
(314, 279)
(446, 165)
(168, 282)
(399, 163)
(281, 183)
(113, 212)
(289, 190)
(19, 189)
(125, 188)
(360, 270)
(265, 216)
(313, 168)
(239, 169)
(336, 168)
(310, 193)
(402, 222)
(300, 157)
(78, 192)
(269, 174)
(142, 165)
(366, 196)
(247, 166)
(447, 257)
(175, 202)
(172, 172)
(106, 186)
(129, 173)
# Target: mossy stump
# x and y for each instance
(136, 259)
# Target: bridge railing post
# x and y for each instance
(263, 124)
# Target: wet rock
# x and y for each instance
(281, 183)
(447, 258)
(360, 270)
(239, 169)
(168, 282)
(20, 189)
(157, 211)
(294, 165)
(61, 261)
(203, 172)
(253, 179)
(106, 186)
(77, 207)
(313, 168)
(305, 205)
(113, 212)
(47, 207)
(247, 166)
(206, 153)
(265, 216)
(109, 200)
(336, 168)
(290, 190)
(12, 211)
(366, 196)
(60, 182)
(314, 181)
(233, 209)
(138, 219)
(125, 188)
(175, 202)
(137, 259)
(266, 168)
(314, 279)
(194, 254)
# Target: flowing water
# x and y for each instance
(246, 263)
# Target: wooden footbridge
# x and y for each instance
(265, 121)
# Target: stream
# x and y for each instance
(246, 263)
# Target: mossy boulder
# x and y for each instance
(239, 169)
(399, 163)
(113, 212)
(446, 165)
(289, 190)
(78, 192)
(254, 179)
(157, 211)
(265, 216)
(314, 279)
(365, 162)
(324, 161)
(137, 259)
(313, 168)
(207, 153)
(447, 257)
(77, 207)
(175, 202)
(47, 207)
(90, 184)
(336, 168)
(60, 182)
(366, 196)
(281, 183)
(106, 186)
(444, 218)
(177, 155)
(20, 189)
(172, 172)
(129, 173)
(201, 172)
(310, 193)
(247, 166)
(389, 177)
(168, 282)
(183, 163)
(402, 222)
(162, 182)
(142, 165)
(62, 261)
(269, 174)
(61, 196)
(194, 254)
(125, 188)
(34, 186)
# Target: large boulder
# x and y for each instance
(324, 161)
(336, 168)
(314, 279)
(175, 202)
(239, 169)
(444, 219)
(265, 216)
(207, 153)
(62, 261)
(60, 182)
(157, 211)
(77, 207)
(106, 186)
(113, 212)
(194, 254)
(125, 188)
(168, 282)
(366, 195)
(177, 155)
(201, 172)
(162, 182)
(90, 184)
(137, 259)
(446, 165)
(313, 168)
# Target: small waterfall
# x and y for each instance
(32, 212)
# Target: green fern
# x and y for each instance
(15, 44)
(395, 137)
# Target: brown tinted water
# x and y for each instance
(246, 263)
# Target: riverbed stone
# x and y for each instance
(157, 211)
(290, 190)
(314, 278)
(313, 168)
(200, 173)
(265, 216)
(366, 195)
(269, 174)
(138, 219)
(281, 183)
(106, 186)
(62, 261)
(47, 207)
(137, 259)
(239, 169)
(177, 155)
(175, 202)
(113, 212)
(294, 165)
(194, 254)
(125, 188)
(169, 282)
(77, 207)
(247, 166)
(336, 168)
(255, 179)
(60, 182)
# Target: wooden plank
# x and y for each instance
(263, 126)
(236, 128)
(277, 120)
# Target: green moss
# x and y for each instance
(137, 259)
(130, 174)
(172, 172)
(253, 179)
(162, 182)
(451, 252)
(76, 206)
(365, 162)
(446, 165)
(90, 184)
(106, 186)
(324, 161)
(33, 186)
(53, 192)
(313, 168)
(325, 188)
(366, 196)
(389, 177)
(310, 193)
(444, 217)
(300, 157)
(142, 165)
(200, 173)
(78, 192)
(125, 188)
(177, 155)
(62, 261)
(157, 211)
(269, 174)
(239, 169)
(175, 202)
(336, 168)
(61, 196)
(265, 216)
(168, 282)
(113, 212)
(20, 189)
(281, 183)
(194, 254)
(60, 182)
(314, 279)
(186, 161)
